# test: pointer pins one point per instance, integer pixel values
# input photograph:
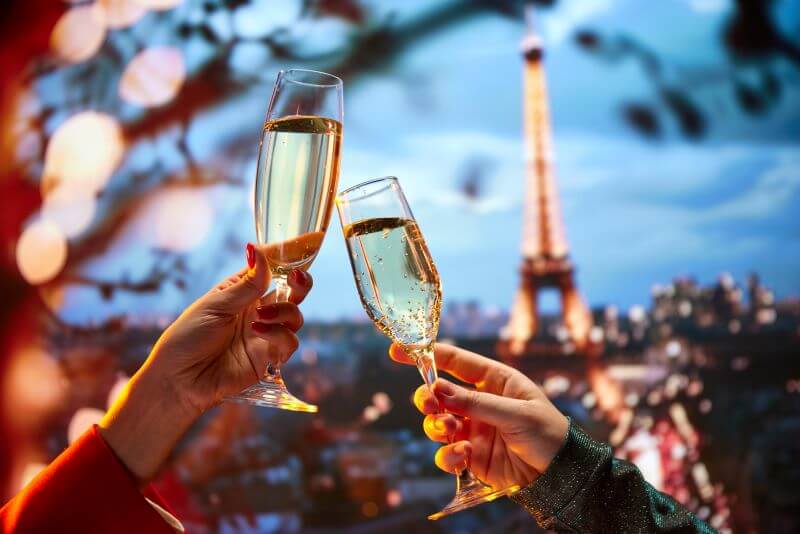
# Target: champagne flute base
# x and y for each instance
(473, 495)
(272, 394)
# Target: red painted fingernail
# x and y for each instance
(251, 255)
(259, 327)
(268, 311)
(299, 277)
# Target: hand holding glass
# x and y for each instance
(296, 182)
(401, 292)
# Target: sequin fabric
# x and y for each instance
(586, 489)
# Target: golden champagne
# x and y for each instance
(299, 155)
(397, 280)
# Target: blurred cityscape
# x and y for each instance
(701, 389)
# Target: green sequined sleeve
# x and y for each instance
(586, 489)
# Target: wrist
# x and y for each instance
(145, 422)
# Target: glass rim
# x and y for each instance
(352, 189)
(336, 81)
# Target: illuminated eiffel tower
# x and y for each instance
(545, 253)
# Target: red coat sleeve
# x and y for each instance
(85, 489)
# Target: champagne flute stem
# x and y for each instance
(282, 292)
(427, 368)
(282, 289)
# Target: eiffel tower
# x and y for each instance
(545, 252)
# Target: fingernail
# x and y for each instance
(460, 449)
(268, 311)
(299, 277)
(439, 425)
(251, 255)
(259, 327)
(442, 388)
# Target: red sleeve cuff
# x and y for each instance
(85, 489)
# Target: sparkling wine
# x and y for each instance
(397, 280)
(299, 155)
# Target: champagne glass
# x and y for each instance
(296, 182)
(401, 292)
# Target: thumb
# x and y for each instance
(247, 286)
(492, 409)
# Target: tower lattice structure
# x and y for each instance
(545, 252)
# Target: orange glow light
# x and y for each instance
(153, 77)
(78, 34)
(41, 252)
(27, 403)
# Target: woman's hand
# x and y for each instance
(218, 346)
(224, 341)
(508, 432)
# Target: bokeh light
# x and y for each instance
(371, 413)
(32, 388)
(81, 421)
(382, 402)
(41, 252)
(84, 150)
(29, 473)
(122, 13)
(159, 5)
(153, 77)
(79, 33)
(117, 389)
(70, 208)
(177, 219)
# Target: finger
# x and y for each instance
(493, 409)
(453, 458)
(285, 313)
(245, 287)
(282, 341)
(468, 366)
(425, 401)
(462, 364)
(442, 427)
(301, 283)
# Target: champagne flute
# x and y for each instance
(400, 289)
(296, 182)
